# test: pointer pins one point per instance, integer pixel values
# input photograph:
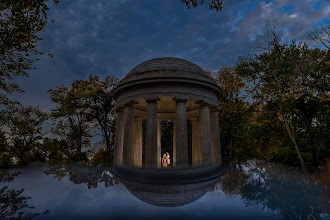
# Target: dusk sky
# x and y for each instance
(103, 37)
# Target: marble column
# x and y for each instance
(205, 134)
(151, 134)
(174, 143)
(196, 152)
(129, 134)
(119, 136)
(138, 142)
(159, 144)
(215, 135)
(181, 133)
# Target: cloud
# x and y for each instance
(111, 37)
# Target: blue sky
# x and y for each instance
(103, 37)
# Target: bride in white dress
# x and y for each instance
(164, 161)
(168, 160)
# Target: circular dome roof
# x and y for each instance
(166, 63)
(165, 68)
(167, 76)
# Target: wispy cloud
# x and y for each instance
(111, 37)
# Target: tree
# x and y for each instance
(20, 23)
(310, 67)
(264, 132)
(86, 104)
(23, 130)
(5, 159)
(53, 148)
(273, 90)
(100, 107)
(285, 75)
(321, 36)
(3, 142)
(213, 4)
(72, 125)
(234, 112)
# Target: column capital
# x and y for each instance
(214, 108)
(139, 118)
(120, 109)
(194, 118)
(130, 103)
(152, 99)
(163, 119)
(202, 103)
(178, 99)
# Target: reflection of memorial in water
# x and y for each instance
(183, 186)
(176, 90)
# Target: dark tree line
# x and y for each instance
(275, 103)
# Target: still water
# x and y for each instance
(250, 190)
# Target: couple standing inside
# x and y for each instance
(166, 160)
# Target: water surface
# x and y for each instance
(250, 190)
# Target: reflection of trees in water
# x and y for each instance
(232, 181)
(277, 189)
(83, 173)
(13, 204)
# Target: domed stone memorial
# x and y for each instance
(176, 90)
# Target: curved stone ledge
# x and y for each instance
(169, 195)
(176, 73)
(169, 176)
(168, 78)
(187, 88)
